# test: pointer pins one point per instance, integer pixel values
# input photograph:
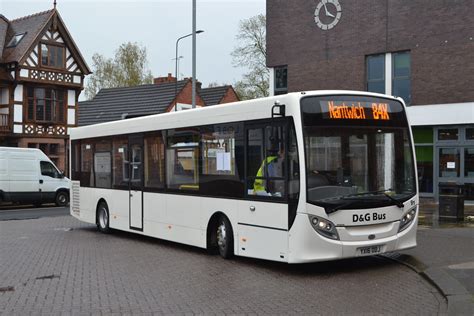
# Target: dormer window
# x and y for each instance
(16, 40)
(52, 56)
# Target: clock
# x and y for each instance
(327, 14)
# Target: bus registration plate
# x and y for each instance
(367, 251)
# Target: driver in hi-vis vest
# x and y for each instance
(274, 167)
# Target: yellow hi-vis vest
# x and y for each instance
(258, 184)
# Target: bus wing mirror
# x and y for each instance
(278, 110)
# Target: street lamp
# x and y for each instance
(179, 58)
(176, 66)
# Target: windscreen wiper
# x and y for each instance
(384, 192)
(337, 207)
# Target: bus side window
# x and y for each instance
(76, 160)
(120, 163)
(182, 159)
(103, 164)
(154, 160)
(87, 172)
(221, 148)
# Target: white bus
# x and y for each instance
(301, 177)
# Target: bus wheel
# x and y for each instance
(62, 198)
(225, 238)
(103, 218)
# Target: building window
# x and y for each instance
(52, 56)
(45, 105)
(469, 162)
(401, 86)
(376, 73)
(449, 159)
(469, 133)
(16, 40)
(448, 134)
(390, 73)
(281, 80)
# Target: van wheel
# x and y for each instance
(62, 198)
(225, 238)
(103, 218)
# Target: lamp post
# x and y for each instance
(179, 58)
(176, 66)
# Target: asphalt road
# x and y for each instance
(22, 213)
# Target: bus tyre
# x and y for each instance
(225, 238)
(103, 218)
(62, 198)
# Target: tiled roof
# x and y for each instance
(32, 25)
(3, 32)
(213, 96)
(112, 104)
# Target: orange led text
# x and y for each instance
(353, 112)
(380, 111)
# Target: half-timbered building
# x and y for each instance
(41, 76)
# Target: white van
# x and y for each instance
(28, 176)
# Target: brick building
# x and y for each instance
(41, 76)
(164, 95)
(420, 50)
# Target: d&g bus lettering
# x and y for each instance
(367, 217)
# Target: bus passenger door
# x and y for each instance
(136, 182)
(263, 215)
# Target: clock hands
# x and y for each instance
(327, 11)
(331, 18)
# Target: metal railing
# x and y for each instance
(4, 123)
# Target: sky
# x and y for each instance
(100, 26)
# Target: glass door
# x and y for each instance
(136, 182)
(449, 164)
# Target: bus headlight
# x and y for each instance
(407, 219)
(324, 227)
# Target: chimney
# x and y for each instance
(168, 79)
(198, 83)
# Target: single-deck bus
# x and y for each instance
(302, 177)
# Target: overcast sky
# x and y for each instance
(100, 26)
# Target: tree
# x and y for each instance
(251, 53)
(128, 68)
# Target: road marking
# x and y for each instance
(464, 266)
(32, 209)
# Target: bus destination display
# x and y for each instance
(348, 110)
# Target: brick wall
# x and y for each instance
(438, 33)
(185, 96)
(230, 96)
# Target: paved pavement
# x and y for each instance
(8, 214)
(445, 257)
(60, 265)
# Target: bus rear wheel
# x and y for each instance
(103, 218)
(225, 238)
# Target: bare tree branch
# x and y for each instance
(251, 54)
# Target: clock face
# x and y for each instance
(327, 14)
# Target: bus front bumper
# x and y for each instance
(306, 245)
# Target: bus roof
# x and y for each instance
(222, 113)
